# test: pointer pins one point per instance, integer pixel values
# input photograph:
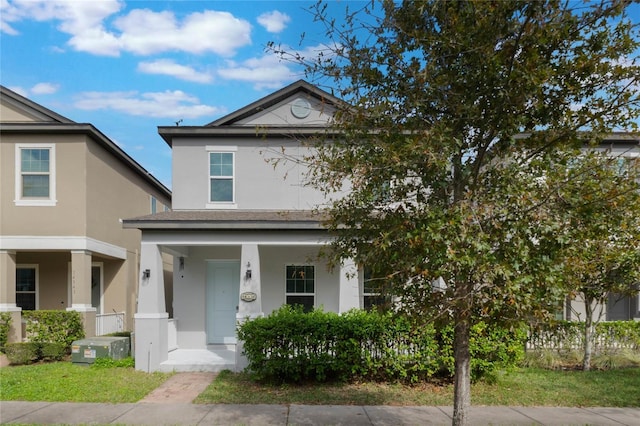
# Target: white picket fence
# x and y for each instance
(109, 323)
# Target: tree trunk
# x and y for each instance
(462, 357)
(588, 333)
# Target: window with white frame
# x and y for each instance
(300, 286)
(154, 205)
(221, 177)
(371, 295)
(27, 287)
(35, 175)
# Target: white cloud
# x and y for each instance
(265, 72)
(169, 67)
(274, 21)
(45, 88)
(168, 104)
(145, 32)
(141, 31)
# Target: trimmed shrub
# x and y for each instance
(53, 351)
(491, 348)
(53, 326)
(291, 345)
(22, 353)
(5, 326)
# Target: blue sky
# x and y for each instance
(129, 66)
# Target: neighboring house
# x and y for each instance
(618, 307)
(64, 190)
(242, 233)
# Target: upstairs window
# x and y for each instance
(300, 286)
(154, 205)
(35, 174)
(221, 177)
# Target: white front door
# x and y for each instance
(223, 288)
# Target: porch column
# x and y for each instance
(81, 290)
(151, 318)
(8, 294)
(250, 303)
(349, 287)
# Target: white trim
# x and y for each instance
(315, 284)
(178, 238)
(34, 242)
(154, 315)
(222, 148)
(81, 307)
(221, 204)
(37, 292)
(9, 307)
(49, 201)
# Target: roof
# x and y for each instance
(227, 127)
(230, 220)
(54, 123)
(31, 108)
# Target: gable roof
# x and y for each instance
(300, 86)
(51, 122)
(30, 108)
(229, 126)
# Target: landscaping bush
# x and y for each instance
(22, 353)
(5, 326)
(491, 348)
(53, 326)
(291, 345)
(53, 351)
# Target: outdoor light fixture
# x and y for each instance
(247, 274)
(181, 267)
(146, 273)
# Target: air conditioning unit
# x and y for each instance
(86, 351)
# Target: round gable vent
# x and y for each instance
(301, 108)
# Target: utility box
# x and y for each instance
(86, 351)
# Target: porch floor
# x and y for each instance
(211, 359)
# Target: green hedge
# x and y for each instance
(5, 326)
(53, 326)
(290, 345)
(609, 336)
(29, 352)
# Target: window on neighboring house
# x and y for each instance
(35, 174)
(26, 287)
(221, 185)
(154, 205)
(372, 299)
(300, 286)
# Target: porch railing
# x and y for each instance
(109, 323)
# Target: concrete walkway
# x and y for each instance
(170, 404)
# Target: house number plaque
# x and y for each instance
(248, 296)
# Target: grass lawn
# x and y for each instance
(522, 387)
(64, 381)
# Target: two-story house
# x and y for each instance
(64, 189)
(242, 232)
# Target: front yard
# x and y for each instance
(64, 381)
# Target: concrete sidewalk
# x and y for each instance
(149, 413)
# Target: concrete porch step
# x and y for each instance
(185, 360)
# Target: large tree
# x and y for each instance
(598, 198)
(456, 110)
